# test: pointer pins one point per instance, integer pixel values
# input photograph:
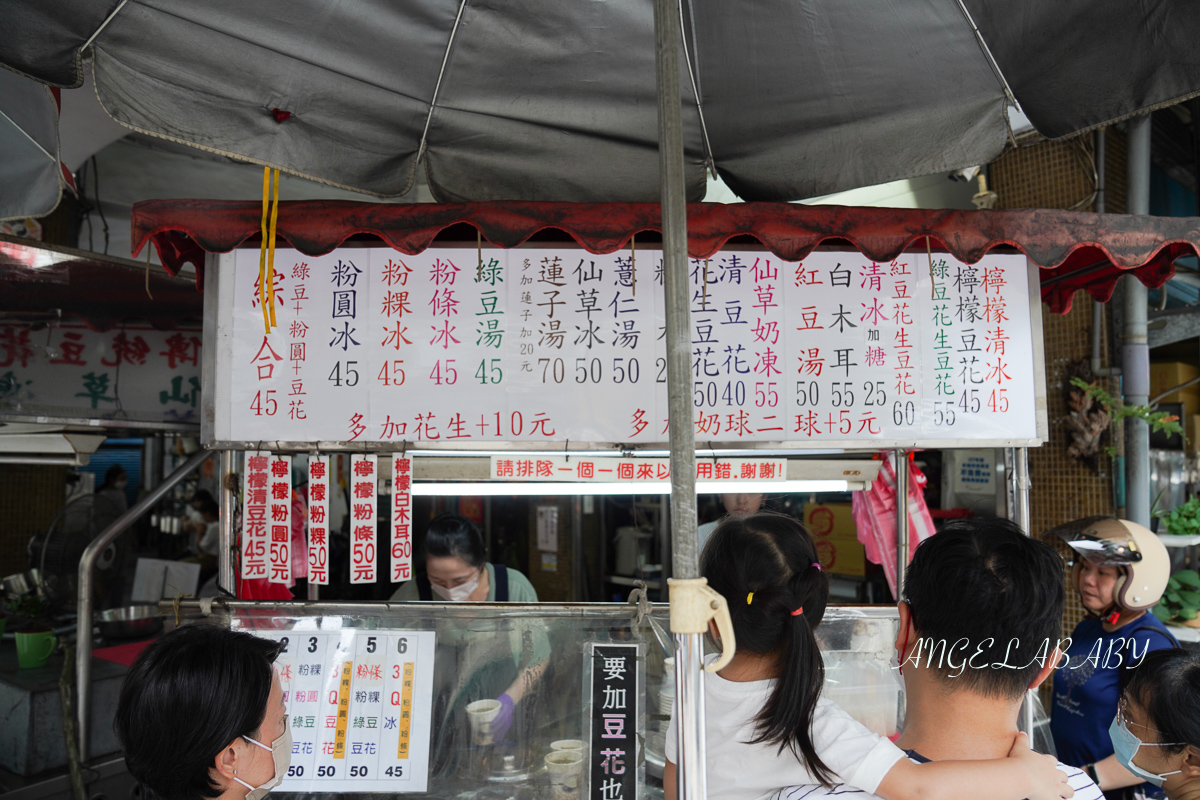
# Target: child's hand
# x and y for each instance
(1047, 781)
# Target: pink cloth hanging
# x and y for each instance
(874, 511)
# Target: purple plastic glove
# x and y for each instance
(504, 719)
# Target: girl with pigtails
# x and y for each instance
(767, 725)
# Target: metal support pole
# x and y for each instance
(692, 777)
(689, 682)
(686, 561)
(152, 460)
(1017, 461)
(226, 579)
(87, 563)
(901, 519)
(1135, 351)
(579, 592)
(1021, 508)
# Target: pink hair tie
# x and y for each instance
(817, 564)
(798, 611)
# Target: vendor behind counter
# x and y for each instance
(482, 659)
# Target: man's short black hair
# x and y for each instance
(984, 582)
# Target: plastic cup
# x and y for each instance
(573, 746)
(480, 714)
(34, 649)
(565, 768)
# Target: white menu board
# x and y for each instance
(549, 345)
(359, 703)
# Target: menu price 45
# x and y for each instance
(359, 705)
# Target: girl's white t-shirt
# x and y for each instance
(741, 771)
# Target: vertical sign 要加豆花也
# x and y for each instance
(615, 698)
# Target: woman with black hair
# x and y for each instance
(767, 725)
(1156, 734)
(113, 489)
(457, 569)
(201, 715)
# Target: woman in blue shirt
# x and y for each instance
(1120, 571)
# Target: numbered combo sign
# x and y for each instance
(359, 703)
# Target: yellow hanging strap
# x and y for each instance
(262, 251)
(271, 248)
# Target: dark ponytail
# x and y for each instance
(773, 557)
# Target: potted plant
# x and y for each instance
(35, 637)
(1180, 603)
(1182, 520)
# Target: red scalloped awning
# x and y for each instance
(1076, 250)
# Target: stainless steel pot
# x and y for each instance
(130, 622)
(20, 583)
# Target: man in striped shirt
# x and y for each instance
(979, 627)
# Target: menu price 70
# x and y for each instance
(359, 703)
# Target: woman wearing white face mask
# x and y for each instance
(201, 715)
(1156, 734)
(457, 569)
(483, 659)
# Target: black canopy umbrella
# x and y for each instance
(551, 100)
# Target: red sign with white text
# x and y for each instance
(318, 520)
(256, 514)
(364, 555)
(401, 518)
(279, 521)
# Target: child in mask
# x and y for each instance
(1156, 734)
(766, 724)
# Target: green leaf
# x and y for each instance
(1162, 613)
(1188, 613)
(1173, 583)
(1188, 577)
(1173, 598)
(1190, 598)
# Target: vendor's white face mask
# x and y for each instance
(281, 755)
(457, 594)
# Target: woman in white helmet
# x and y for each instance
(1120, 570)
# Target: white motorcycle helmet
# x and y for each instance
(1144, 566)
